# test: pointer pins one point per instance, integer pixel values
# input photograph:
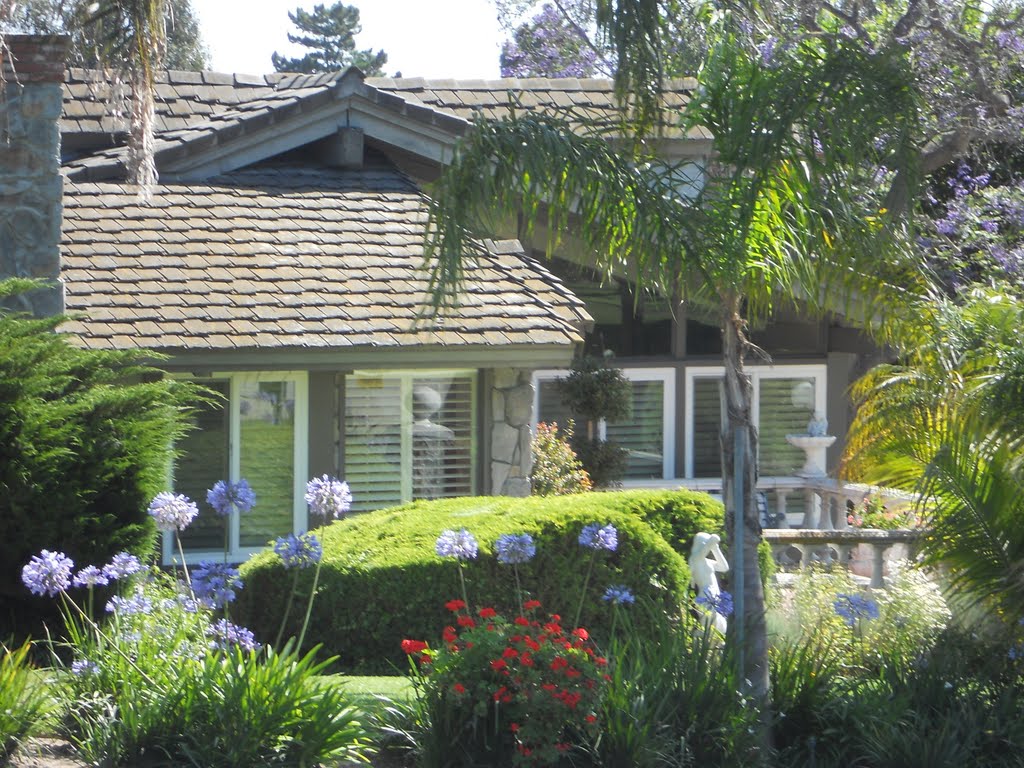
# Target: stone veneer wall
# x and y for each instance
(31, 186)
(511, 415)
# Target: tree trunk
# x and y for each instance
(738, 396)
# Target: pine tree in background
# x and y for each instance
(330, 34)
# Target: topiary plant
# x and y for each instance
(594, 391)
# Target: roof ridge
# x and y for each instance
(503, 83)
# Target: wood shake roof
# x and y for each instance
(288, 257)
(297, 255)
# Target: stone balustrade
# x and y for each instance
(841, 543)
(819, 529)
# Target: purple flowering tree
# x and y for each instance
(553, 43)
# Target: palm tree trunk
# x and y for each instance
(738, 398)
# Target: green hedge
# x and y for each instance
(381, 581)
(85, 441)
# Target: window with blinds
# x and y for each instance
(550, 408)
(266, 437)
(258, 432)
(706, 426)
(409, 436)
(783, 404)
(784, 408)
(648, 434)
(203, 459)
(643, 434)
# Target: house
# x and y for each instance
(280, 261)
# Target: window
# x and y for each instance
(260, 434)
(409, 436)
(785, 399)
(648, 434)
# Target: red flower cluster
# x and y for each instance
(542, 680)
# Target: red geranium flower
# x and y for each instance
(413, 646)
(459, 688)
(465, 621)
(455, 605)
(487, 613)
(529, 605)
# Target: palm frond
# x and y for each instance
(533, 167)
(975, 498)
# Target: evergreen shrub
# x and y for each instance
(382, 581)
(85, 442)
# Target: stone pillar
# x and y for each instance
(31, 186)
(511, 416)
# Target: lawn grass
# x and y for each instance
(366, 690)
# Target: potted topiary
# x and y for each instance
(596, 391)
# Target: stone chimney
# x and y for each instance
(31, 186)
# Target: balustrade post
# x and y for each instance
(780, 507)
(878, 565)
(812, 513)
(826, 512)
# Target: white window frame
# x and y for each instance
(667, 376)
(406, 377)
(300, 462)
(818, 372)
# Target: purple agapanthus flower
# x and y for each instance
(515, 548)
(84, 667)
(214, 584)
(328, 497)
(121, 566)
(48, 573)
(619, 594)
(130, 606)
(458, 544)
(91, 576)
(226, 635)
(596, 536)
(855, 607)
(720, 603)
(299, 551)
(172, 511)
(226, 497)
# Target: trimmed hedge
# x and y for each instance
(382, 582)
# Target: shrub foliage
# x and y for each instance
(382, 581)
(85, 441)
(556, 469)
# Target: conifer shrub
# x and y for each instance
(85, 442)
(382, 581)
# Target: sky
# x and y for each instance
(423, 38)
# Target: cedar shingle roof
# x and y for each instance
(578, 100)
(287, 257)
(182, 99)
(190, 99)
